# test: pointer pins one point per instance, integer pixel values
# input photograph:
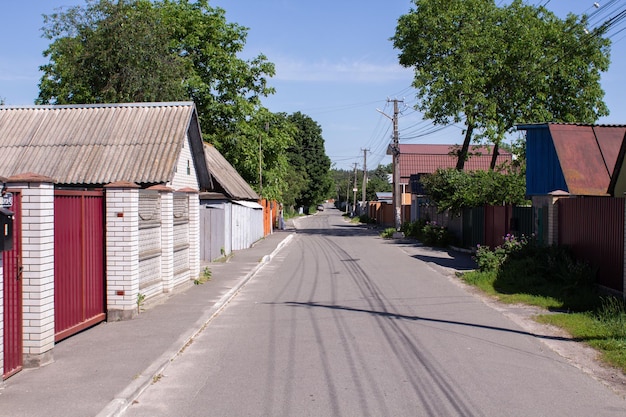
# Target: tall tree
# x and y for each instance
(257, 148)
(309, 157)
(494, 67)
(111, 52)
(378, 181)
(162, 50)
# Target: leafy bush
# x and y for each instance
(428, 232)
(492, 260)
(436, 235)
(451, 189)
(387, 233)
(414, 229)
(522, 266)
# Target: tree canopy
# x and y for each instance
(308, 158)
(494, 67)
(116, 51)
(164, 50)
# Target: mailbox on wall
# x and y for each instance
(6, 229)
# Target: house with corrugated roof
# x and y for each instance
(573, 158)
(106, 203)
(573, 174)
(230, 216)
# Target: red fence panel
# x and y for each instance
(12, 269)
(79, 288)
(593, 227)
(497, 221)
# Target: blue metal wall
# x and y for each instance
(543, 170)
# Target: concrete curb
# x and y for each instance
(125, 398)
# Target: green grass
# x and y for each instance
(575, 305)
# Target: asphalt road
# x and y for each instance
(343, 323)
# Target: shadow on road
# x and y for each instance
(427, 319)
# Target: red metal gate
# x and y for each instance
(79, 287)
(12, 269)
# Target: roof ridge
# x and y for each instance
(98, 105)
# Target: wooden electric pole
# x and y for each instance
(364, 187)
(395, 152)
(354, 189)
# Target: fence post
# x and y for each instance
(122, 250)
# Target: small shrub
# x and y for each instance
(492, 260)
(434, 234)
(387, 233)
(413, 229)
(364, 218)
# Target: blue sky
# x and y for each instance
(334, 62)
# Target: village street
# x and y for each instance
(344, 323)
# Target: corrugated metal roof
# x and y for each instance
(587, 155)
(426, 159)
(95, 144)
(227, 176)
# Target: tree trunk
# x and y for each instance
(460, 163)
(494, 157)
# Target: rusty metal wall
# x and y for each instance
(79, 287)
(593, 227)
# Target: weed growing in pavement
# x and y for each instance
(205, 277)
(140, 299)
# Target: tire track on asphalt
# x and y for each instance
(408, 350)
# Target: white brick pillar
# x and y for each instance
(122, 250)
(194, 234)
(167, 236)
(193, 201)
(37, 220)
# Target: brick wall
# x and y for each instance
(122, 250)
(38, 270)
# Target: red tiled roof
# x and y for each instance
(426, 159)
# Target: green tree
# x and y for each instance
(494, 67)
(308, 156)
(164, 50)
(451, 189)
(378, 181)
(262, 139)
(111, 52)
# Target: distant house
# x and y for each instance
(106, 213)
(230, 216)
(416, 160)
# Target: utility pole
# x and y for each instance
(354, 189)
(395, 152)
(267, 128)
(364, 187)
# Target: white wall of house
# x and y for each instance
(185, 175)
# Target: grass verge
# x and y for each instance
(571, 303)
